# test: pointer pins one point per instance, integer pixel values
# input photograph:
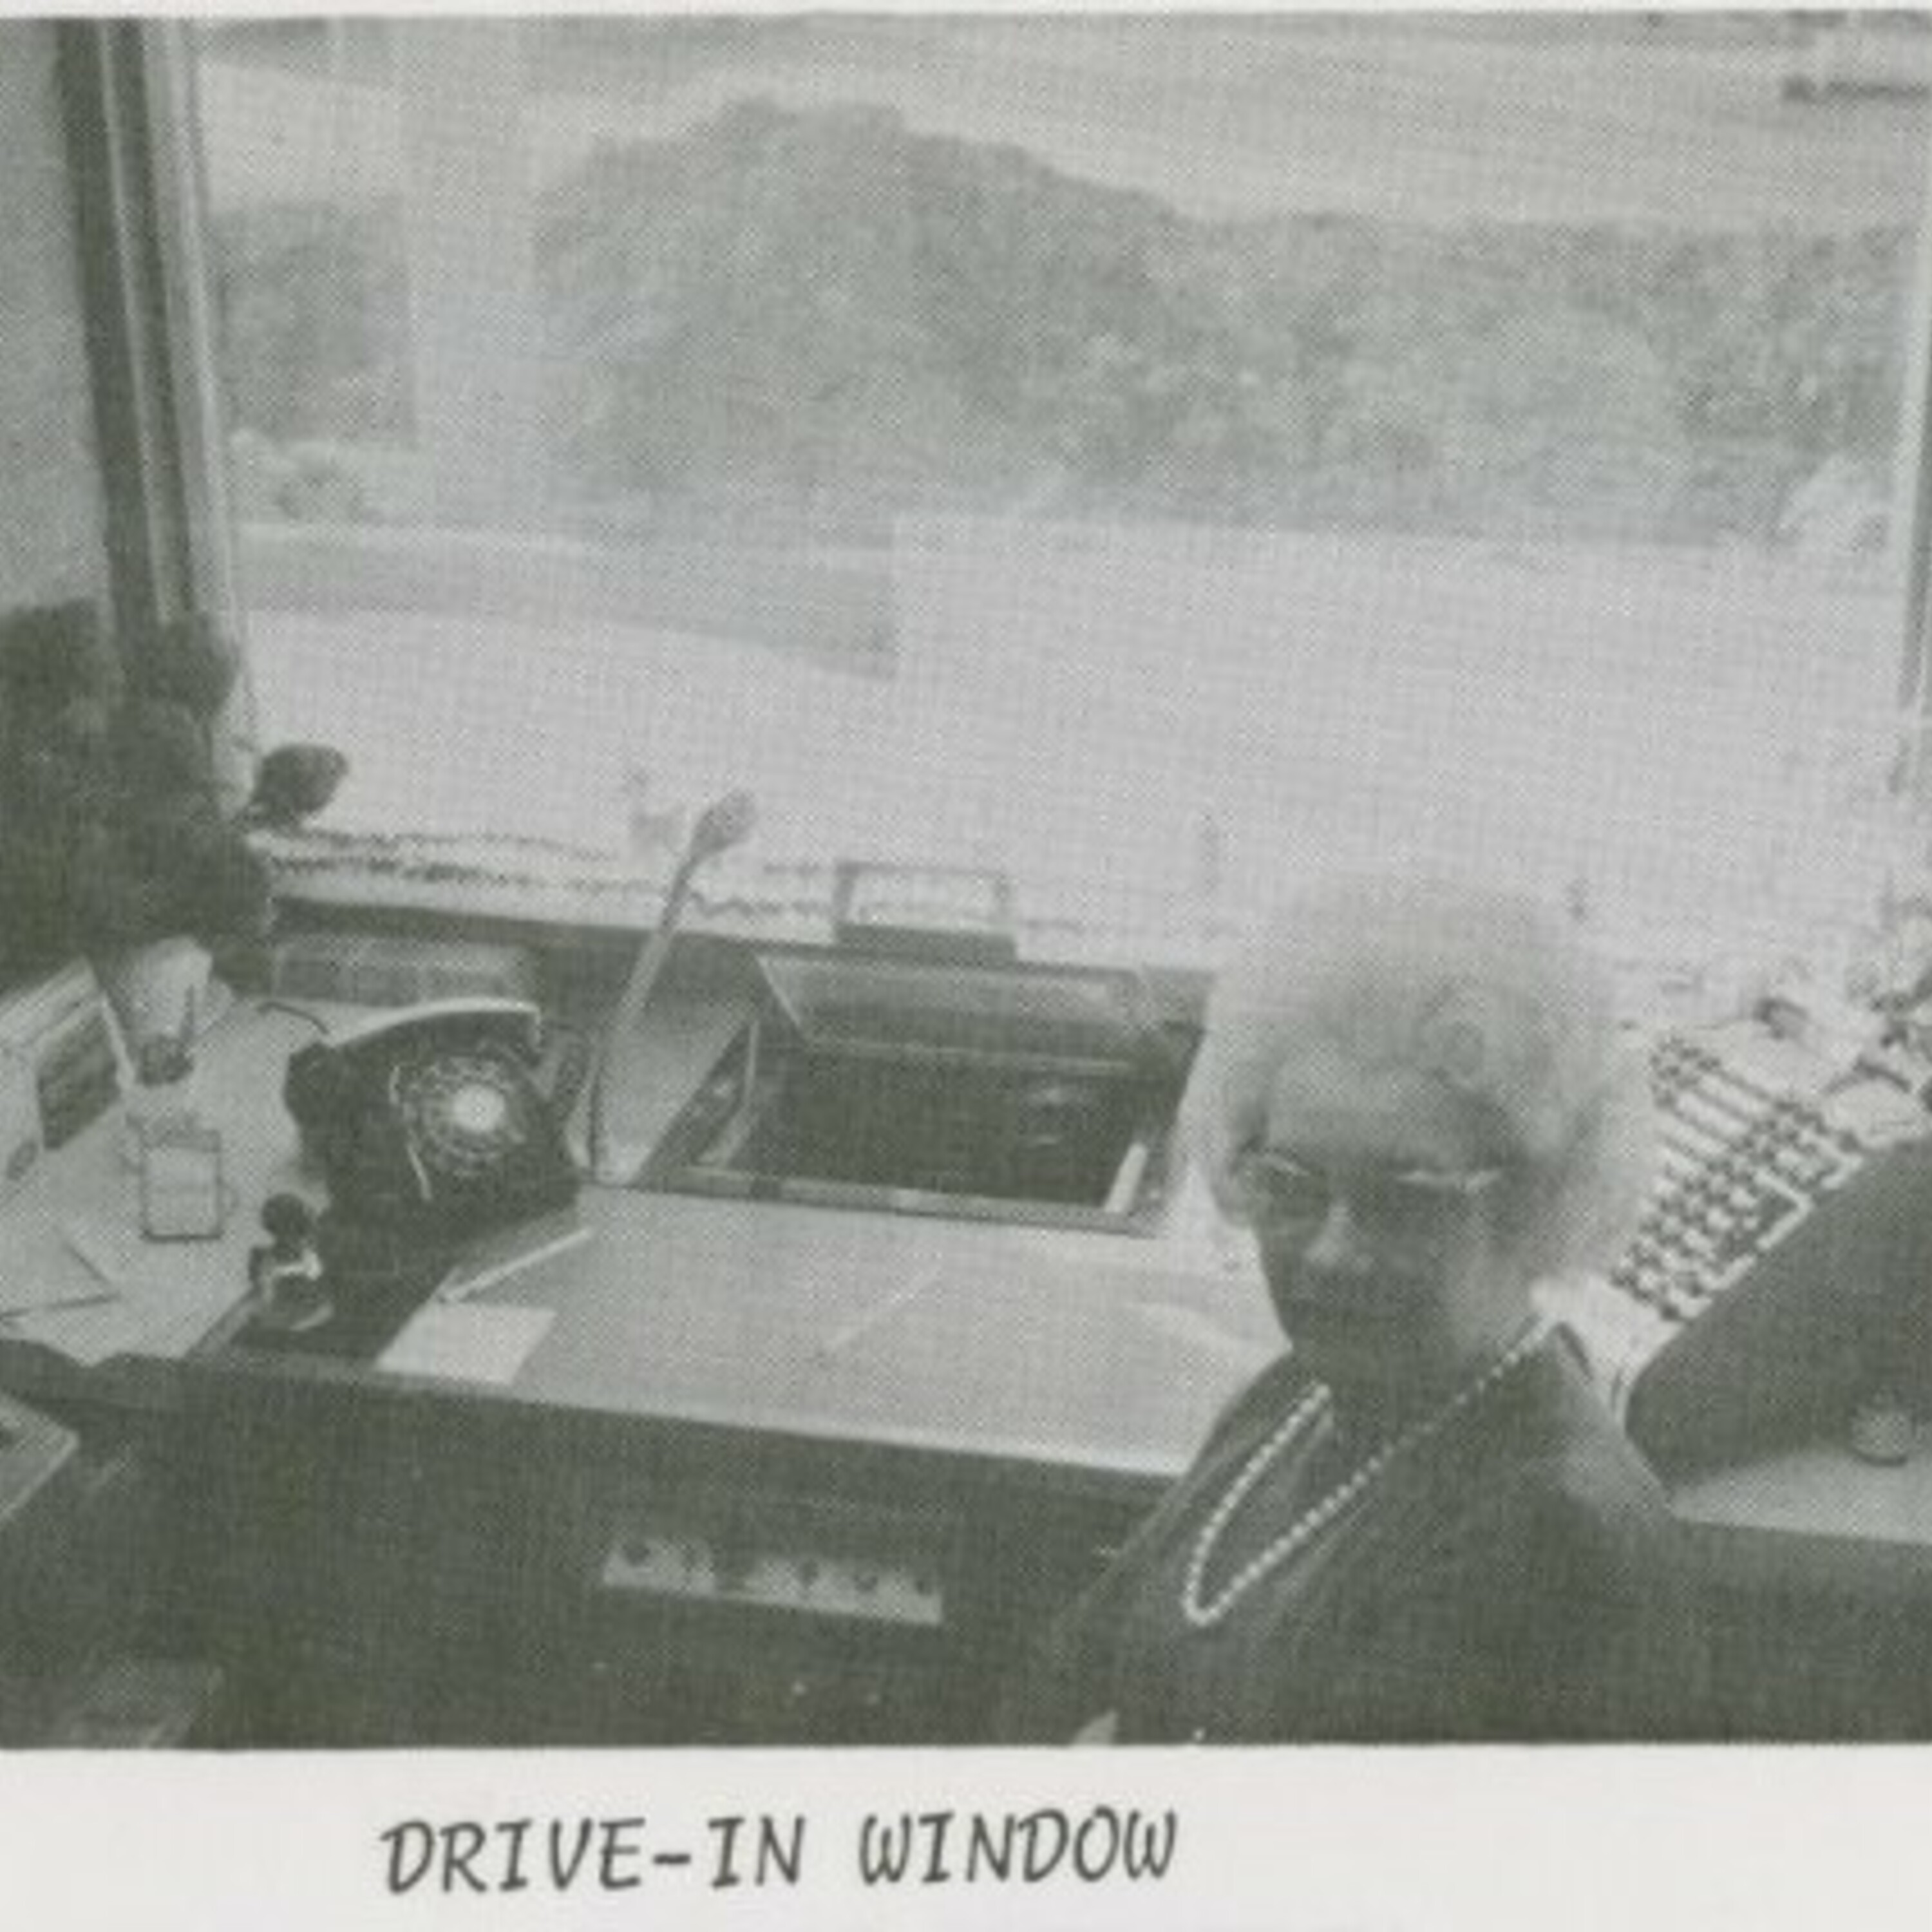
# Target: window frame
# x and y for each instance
(127, 98)
(130, 89)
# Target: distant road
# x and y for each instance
(1399, 119)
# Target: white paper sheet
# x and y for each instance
(468, 1341)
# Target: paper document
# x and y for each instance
(470, 1342)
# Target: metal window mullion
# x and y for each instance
(1912, 518)
(101, 84)
(128, 89)
(185, 284)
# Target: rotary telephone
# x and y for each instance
(430, 1121)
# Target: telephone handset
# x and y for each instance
(431, 1120)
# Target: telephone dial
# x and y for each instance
(431, 1121)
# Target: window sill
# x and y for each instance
(534, 882)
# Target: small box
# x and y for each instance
(184, 1194)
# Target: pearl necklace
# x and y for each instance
(1205, 1615)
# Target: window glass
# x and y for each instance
(1154, 456)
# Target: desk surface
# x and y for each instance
(1087, 1351)
(1106, 1351)
(1817, 1511)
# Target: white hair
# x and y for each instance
(1486, 991)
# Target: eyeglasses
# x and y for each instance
(1415, 1206)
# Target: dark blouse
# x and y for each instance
(1516, 1578)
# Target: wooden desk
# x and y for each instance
(385, 1557)
(1101, 1352)
(126, 1350)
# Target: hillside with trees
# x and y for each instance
(800, 322)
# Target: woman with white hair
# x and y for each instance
(1419, 1522)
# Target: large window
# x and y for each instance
(1153, 456)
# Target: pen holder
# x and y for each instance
(159, 1100)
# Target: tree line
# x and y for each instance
(807, 320)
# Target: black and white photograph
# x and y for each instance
(917, 888)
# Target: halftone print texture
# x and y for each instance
(1158, 458)
(1090, 474)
